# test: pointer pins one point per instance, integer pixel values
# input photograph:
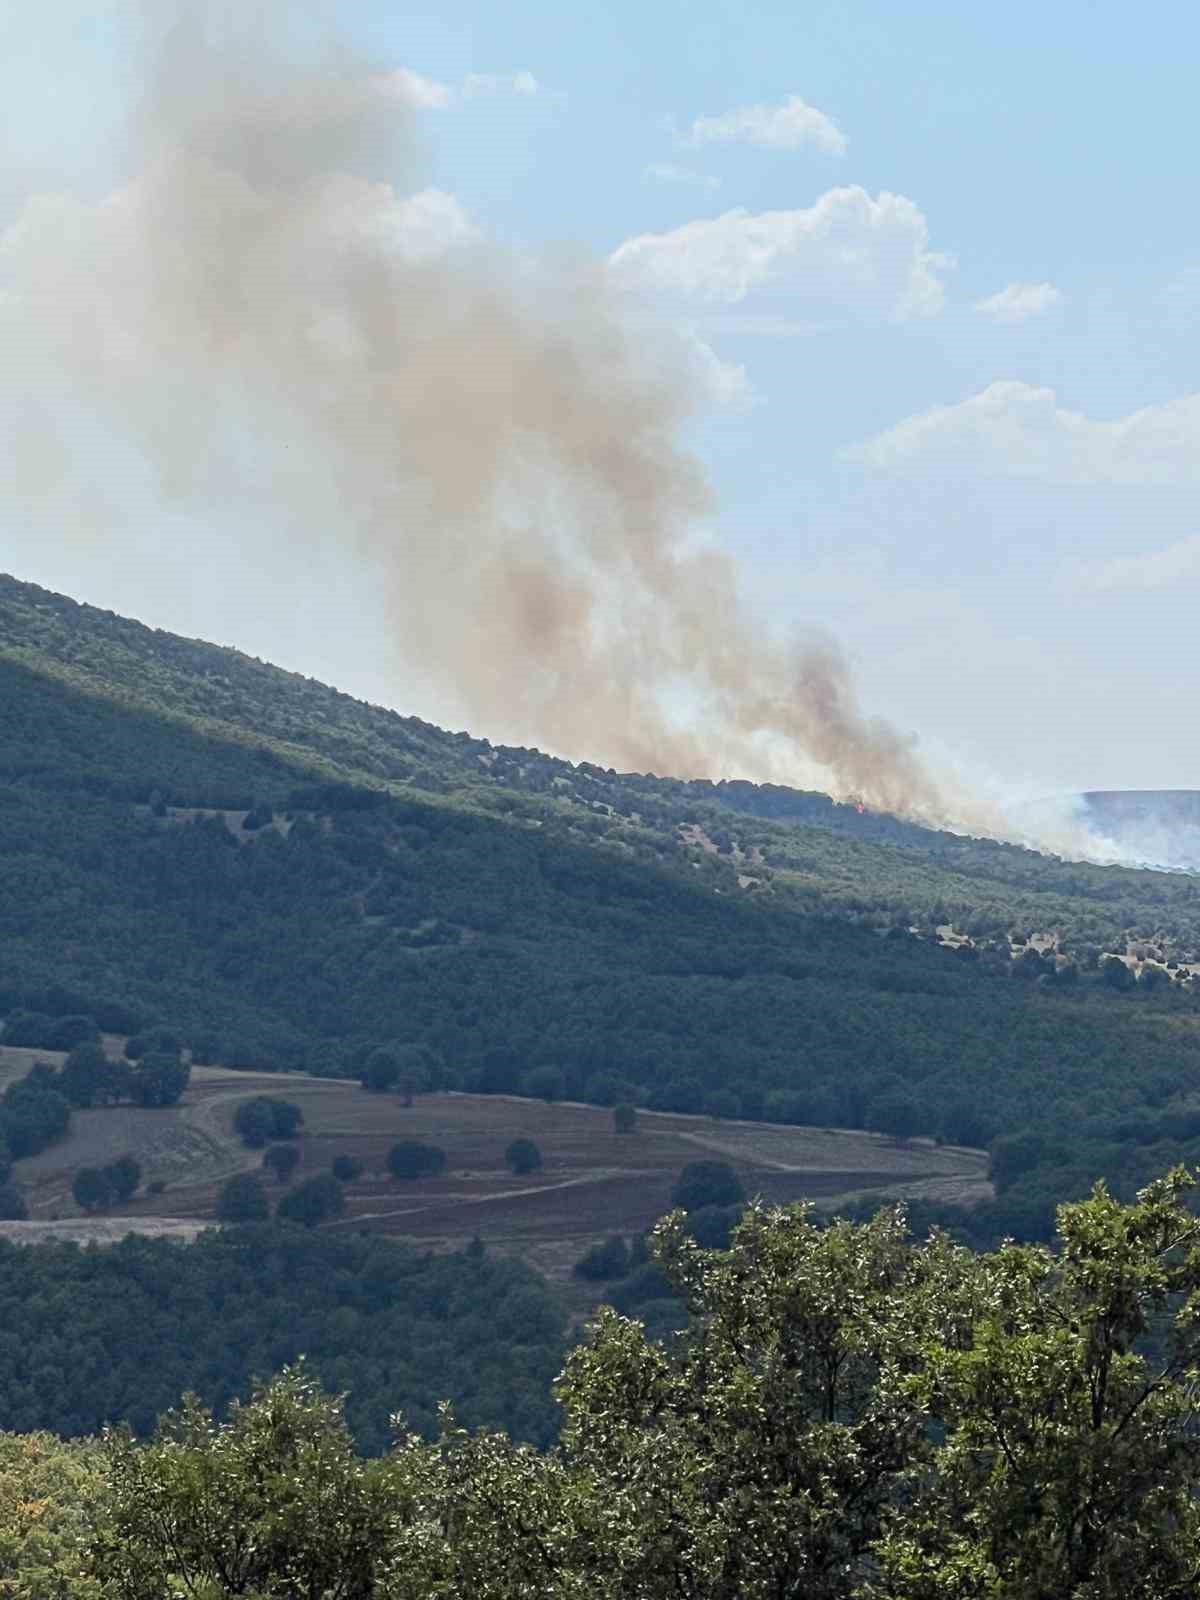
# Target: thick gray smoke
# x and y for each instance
(272, 319)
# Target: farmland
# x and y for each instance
(593, 1181)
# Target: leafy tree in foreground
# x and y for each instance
(523, 1156)
(854, 1417)
(243, 1199)
(272, 1503)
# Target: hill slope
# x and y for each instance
(292, 879)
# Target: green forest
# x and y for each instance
(850, 1414)
(284, 878)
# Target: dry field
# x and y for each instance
(594, 1182)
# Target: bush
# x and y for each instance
(603, 1261)
(624, 1119)
(159, 1079)
(313, 1202)
(243, 1199)
(411, 1159)
(264, 1118)
(346, 1169)
(707, 1183)
(91, 1189)
(523, 1156)
(282, 1160)
(12, 1204)
(123, 1176)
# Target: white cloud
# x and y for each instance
(424, 93)
(847, 249)
(1017, 430)
(486, 83)
(1158, 569)
(667, 172)
(724, 382)
(783, 127)
(427, 94)
(1019, 301)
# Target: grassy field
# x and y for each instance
(593, 1183)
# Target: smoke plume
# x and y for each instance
(269, 319)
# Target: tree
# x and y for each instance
(347, 1168)
(543, 1083)
(854, 1416)
(91, 1189)
(159, 1079)
(523, 1156)
(282, 1160)
(84, 1075)
(313, 1202)
(382, 1070)
(412, 1159)
(12, 1206)
(607, 1260)
(896, 1113)
(265, 1117)
(123, 1176)
(624, 1119)
(707, 1183)
(1116, 974)
(243, 1199)
(273, 1502)
(721, 1104)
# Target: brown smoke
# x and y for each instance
(270, 316)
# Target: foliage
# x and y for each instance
(93, 1336)
(509, 917)
(282, 1160)
(272, 1502)
(312, 1202)
(624, 1119)
(50, 1498)
(91, 1189)
(603, 1261)
(12, 1204)
(522, 1156)
(346, 1168)
(410, 1158)
(267, 1117)
(852, 1417)
(707, 1183)
(243, 1199)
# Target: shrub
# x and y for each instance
(604, 1261)
(313, 1202)
(411, 1159)
(523, 1156)
(91, 1189)
(282, 1160)
(123, 1176)
(707, 1183)
(243, 1199)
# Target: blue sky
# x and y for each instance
(952, 308)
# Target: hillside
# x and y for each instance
(291, 879)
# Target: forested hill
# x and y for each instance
(801, 847)
(287, 878)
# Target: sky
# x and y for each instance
(939, 269)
